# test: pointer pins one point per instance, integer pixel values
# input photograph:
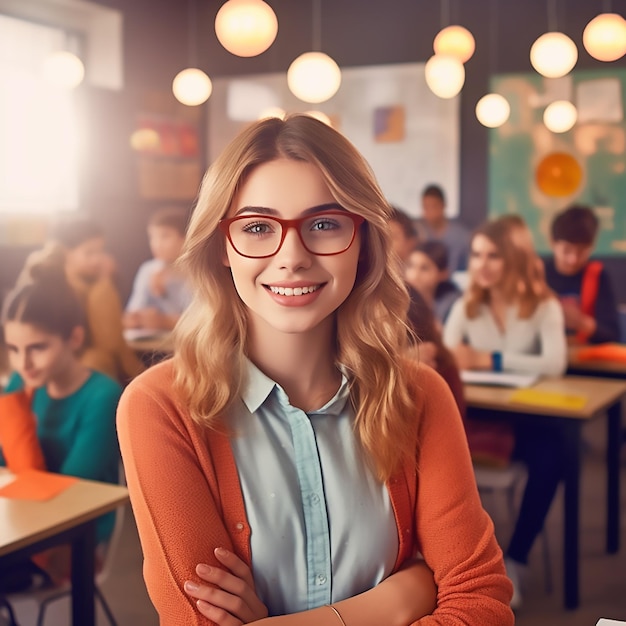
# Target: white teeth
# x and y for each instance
(295, 291)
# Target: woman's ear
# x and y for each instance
(77, 338)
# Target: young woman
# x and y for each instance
(509, 320)
(73, 406)
(427, 271)
(273, 463)
(77, 253)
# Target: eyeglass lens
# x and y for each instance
(321, 234)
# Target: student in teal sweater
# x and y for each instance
(73, 406)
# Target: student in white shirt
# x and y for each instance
(510, 320)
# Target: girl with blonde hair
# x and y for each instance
(510, 320)
(273, 462)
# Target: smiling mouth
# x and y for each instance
(293, 291)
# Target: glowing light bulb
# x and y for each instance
(455, 41)
(560, 116)
(553, 55)
(493, 110)
(64, 69)
(192, 86)
(445, 75)
(604, 37)
(246, 28)
(314, 77)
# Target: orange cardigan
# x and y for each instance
(187, 500)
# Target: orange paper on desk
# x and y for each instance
(552, 399)
(36, 485)
(603, 352)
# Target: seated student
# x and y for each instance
(160, 293)
(508, 321)
(56, 413)
(76, 252)
(427, 271)
(583, 285)
(420, 317)
(435, 225)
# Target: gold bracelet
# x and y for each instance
(336, 612)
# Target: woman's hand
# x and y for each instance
(232, 600)
(467, 358)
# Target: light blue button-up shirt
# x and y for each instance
(322, 525)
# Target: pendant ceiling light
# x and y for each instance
(560, 116)
(553, 54)
(444, 75)
(314, 76)
(493, 109)
(455, 41)
(604, 37)
(246, 28)
(192, 86)
(64, 69)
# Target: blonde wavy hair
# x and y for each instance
(523, 278)
(371, 332)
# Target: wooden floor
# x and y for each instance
(603, 577)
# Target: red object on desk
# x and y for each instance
(18, 433)
(603, 352)
(36, 485)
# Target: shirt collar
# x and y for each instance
(258, 388)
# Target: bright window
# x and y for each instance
(39, 171)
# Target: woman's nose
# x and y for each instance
(292, 253)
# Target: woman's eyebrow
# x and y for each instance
(262, 210)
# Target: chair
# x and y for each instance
(47, 595)
(508, 481)
(7, 616)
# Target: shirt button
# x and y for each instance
(239, 526)
(315, 498)
(321, 579)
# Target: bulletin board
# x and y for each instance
(409, 136)
(535, 172)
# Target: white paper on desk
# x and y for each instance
(609, 622)
(502, 379)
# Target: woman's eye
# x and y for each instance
(257, 228)
(324, 224)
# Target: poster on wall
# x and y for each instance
(536, 172)
(409, 136)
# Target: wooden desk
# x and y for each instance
(27, 527)
(604, 397)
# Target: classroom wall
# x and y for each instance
(353, 32)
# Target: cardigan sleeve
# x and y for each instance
(552, 357)
(454, 533)
(178, 517)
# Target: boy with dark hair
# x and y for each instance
(583, 285)
(160, 294)
(434, 225)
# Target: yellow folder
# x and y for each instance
(553, 399)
